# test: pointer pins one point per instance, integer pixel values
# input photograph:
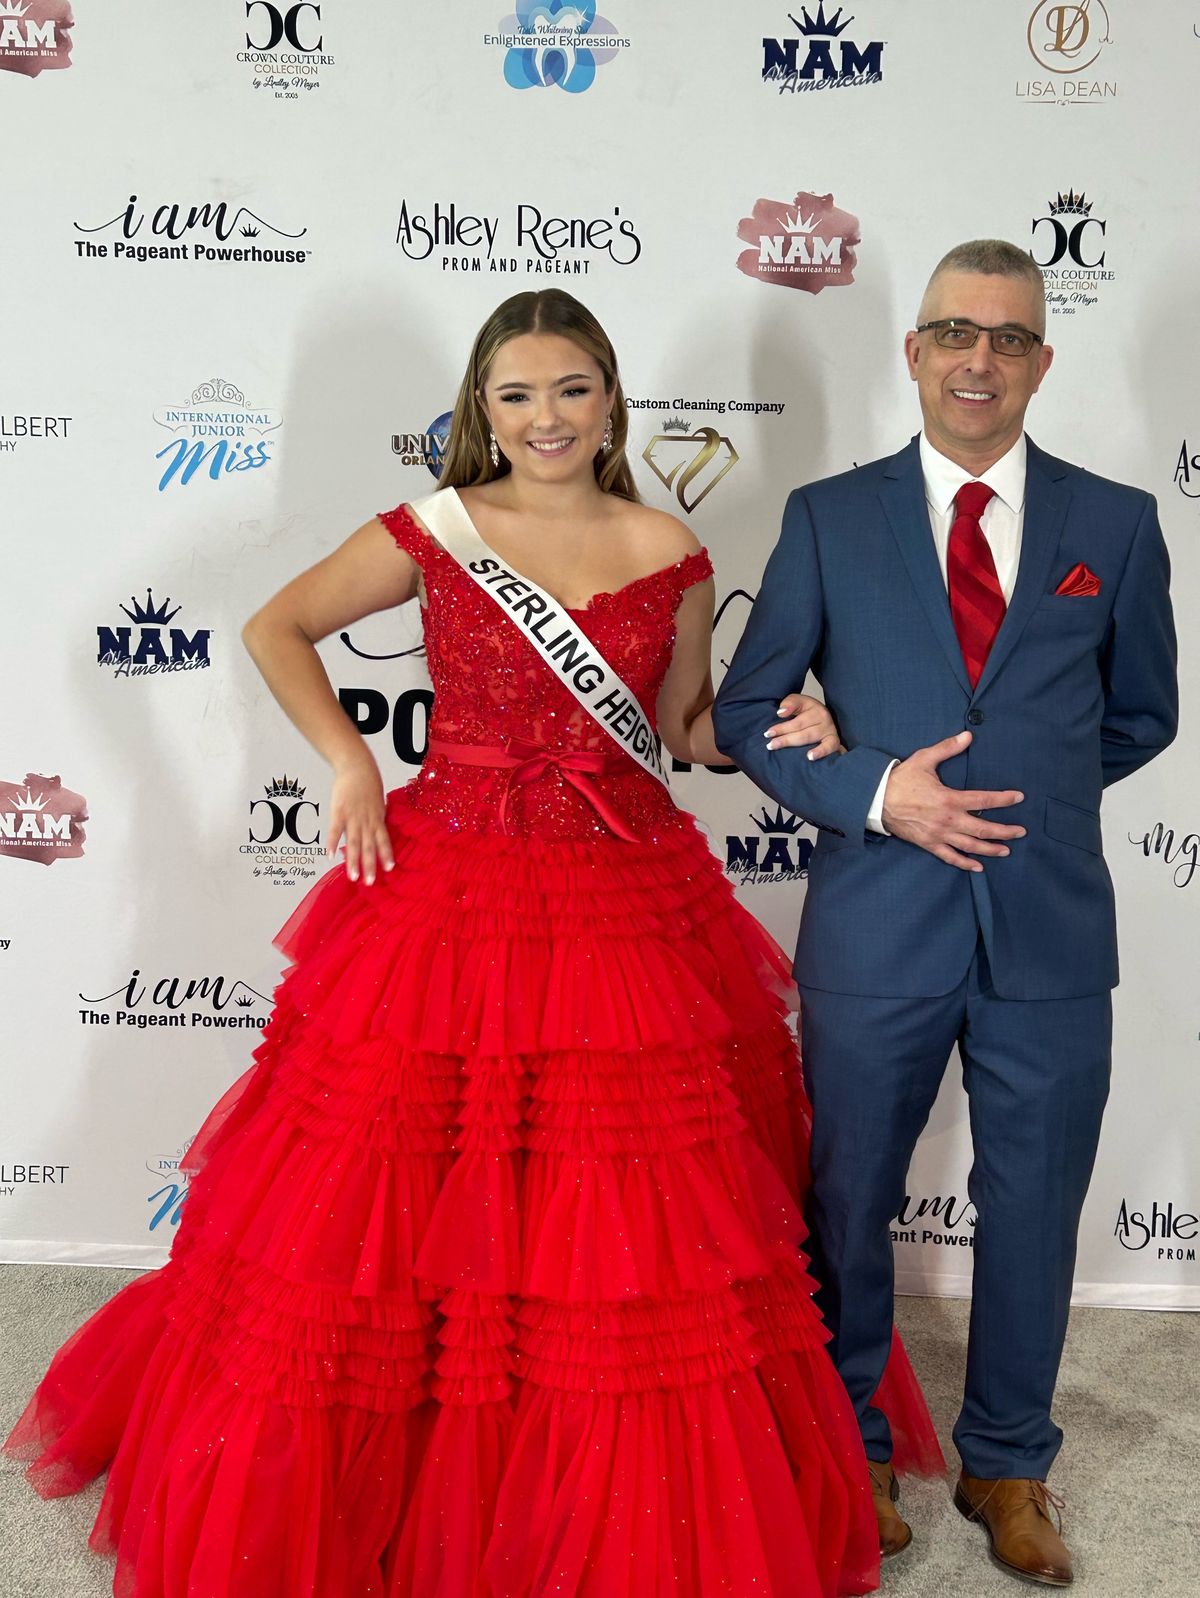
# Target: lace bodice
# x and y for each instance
(491, 686)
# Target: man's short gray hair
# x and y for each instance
(992, 258)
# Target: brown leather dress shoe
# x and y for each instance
(1022, 1520)
(895, 1534)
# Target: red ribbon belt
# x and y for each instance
(526, 762)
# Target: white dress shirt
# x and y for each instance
(1002, 522)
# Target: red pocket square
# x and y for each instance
(1079, 583)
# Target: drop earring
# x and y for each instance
(494, 452)
(606, 443)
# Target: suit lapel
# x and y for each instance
(1046, 502)
(903, 496)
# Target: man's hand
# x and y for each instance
(918, 808)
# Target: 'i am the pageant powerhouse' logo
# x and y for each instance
(555, 44)
(35, 36)
(1070, 246)
(1066, 41)
(41, 821)
(285, 48)
(819, 55)
(529, 240)
(283, 841)
(177, 1002)
(809, 244)
(213, 434)
(214, 233)
(148, 644)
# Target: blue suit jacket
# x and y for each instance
(1077, 693)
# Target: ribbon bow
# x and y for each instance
(525, 762)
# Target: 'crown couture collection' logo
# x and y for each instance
(284, 837)
(34, 36)
(159, 647)
(197, 233)
(819, 56)
(426, 449)
(555, 44)
(218, 431)
(1069, 244)
(1065, 41)
(43, 821)
(690, 463)
(809, 244)
(285, 48)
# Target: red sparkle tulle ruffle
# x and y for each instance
(489, 1280)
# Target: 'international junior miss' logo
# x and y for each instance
(809, 244)
(35, 36)
(40, 820)
(148, 645)
(216, 432)
(820, 56)
(214, 233)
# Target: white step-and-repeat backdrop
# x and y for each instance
(245, 249)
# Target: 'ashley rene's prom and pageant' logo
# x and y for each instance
(1171, 1230)
(35, 36)
(820, 56)
(555, 44)
(465, 242)
(1066, 41)
(191, 233)
(41, 821)
(216, 432)
(1187, 471)
(158, 647)
(809, 244)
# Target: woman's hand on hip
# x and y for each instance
(356, 817)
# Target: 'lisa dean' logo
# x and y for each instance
(775, 854)
(215, 433)
(555, 44)
(284, 836)
(1070, 246)
(198, 233)
(164, 1003)
(1066, 41)
(820, 57)
(426, 449)
(285, 48)
(43, 821)
(158, 646)
(807, 245)
(691, 464)
(34, 36)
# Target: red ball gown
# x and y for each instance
(489, 1283)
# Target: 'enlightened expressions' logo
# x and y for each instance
(1070, 247)
(426, 449)
(285, 48)
(552, 44)
(774, 854)
(555, 245)
(808, 245)
(158, 647)
(42, 821)
(689, 463)
(284, 835)
(34, 36)
(809, 61)
(192, 232)
(217, 432)
(1065, 40)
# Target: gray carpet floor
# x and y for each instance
(1127, 1401)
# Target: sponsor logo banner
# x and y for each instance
(41, 821)
(528, 239)
(1187, 471)
(177, 1003)
(1071, 247)
(1165, 1232)
(944, 1221)
(775, 853)
(283, 841)
(426, 449)
(18, 429)
(690, 463)
(215, 433)
(821, 54)
(149, 645)
(285, 48)
(809, 244)
(215, 233)
(35, 36)
(1067, 41)
(24, 1173)
(556, 44)
(1177, 852)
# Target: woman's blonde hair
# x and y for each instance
(468, 460)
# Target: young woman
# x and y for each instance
(490, 1277)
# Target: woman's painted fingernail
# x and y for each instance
(772, 743)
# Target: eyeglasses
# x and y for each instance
(954, 333)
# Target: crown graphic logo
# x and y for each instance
(799, 224)
(249, 232)
(1070, 204)
(778, 823)
(149, 614)
(828, 27)
(285, 787)
(27, 804)
(243, 1003)
(676, 424)
(14, 8)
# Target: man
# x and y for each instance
(992, 629)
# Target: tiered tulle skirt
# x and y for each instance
(489, 1280)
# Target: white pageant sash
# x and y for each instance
(569, 653)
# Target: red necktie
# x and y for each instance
(976, 599)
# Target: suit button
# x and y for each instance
(974, 718)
